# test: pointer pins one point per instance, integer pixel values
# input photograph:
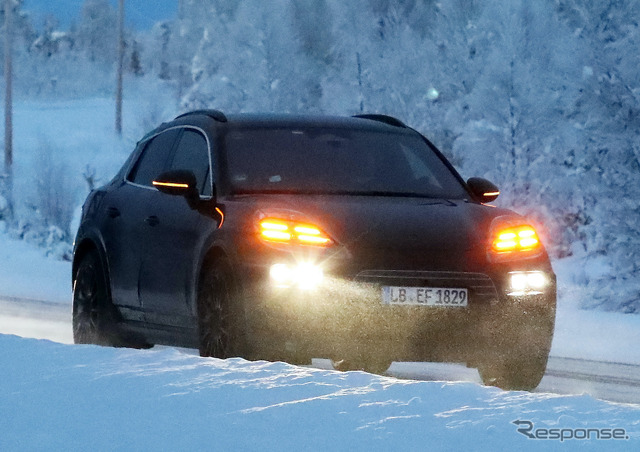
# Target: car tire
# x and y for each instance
(221, 322)
(520, 373)
(92, 319)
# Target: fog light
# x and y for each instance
(536, 280)
(308, 276)
(518, 282)
(303, 275)
(280, 274)
(526, 283)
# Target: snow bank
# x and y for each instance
(592, 333)
(55, 397)
(25, 272)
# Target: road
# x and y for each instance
(36, 319)
(615, 382)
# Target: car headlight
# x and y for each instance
(292, 232)
(511, 238)
(303, 275)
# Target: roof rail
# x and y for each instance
(214, 114)
(390, 120)
(152, 132)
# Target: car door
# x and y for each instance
(123, 225)
(173, 241)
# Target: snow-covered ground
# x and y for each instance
(25, 272)
(60, 397)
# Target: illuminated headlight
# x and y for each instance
(527, 283)
(280, 274)
(304, 275)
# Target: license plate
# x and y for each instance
(424, 296)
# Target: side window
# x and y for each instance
(154, 158)
(192, 153)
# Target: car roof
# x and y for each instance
(207, 118)
(306, 121)
(372, 122)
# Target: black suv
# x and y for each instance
(292, 237)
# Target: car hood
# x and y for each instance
(395, 233)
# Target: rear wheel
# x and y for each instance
(221, 323)
(92, 320)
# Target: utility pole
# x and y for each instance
(120, 67)
(8, 104)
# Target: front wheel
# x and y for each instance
(520, 372)
(220, 317)
(517, 358)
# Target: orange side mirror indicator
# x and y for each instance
(169, 184)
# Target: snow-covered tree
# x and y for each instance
(97, 30)
(607, 156)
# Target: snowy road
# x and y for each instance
(36, 319)
(616, 382)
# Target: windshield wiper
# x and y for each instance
(434, 199)
(372, 193)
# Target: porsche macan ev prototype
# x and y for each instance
(292, 237)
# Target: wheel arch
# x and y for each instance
(85, 247)
(216, 258)
(82, 249)
(212, 255)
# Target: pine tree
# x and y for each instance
(135, 66)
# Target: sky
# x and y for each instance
(139, 14)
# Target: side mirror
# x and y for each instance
(482, 189)
(178, 183)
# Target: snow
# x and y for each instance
(590, 334)
(561, 142)
(56, 396)
(596, 335)
(53, 171)
(539, 98)
(76, 397)
(25, 272)
(88, 397)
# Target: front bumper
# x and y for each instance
(344, 317)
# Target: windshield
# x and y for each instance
(337, 161)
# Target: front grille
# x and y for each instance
(480, 286)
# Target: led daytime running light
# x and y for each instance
(517, 238)
(283, 231)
